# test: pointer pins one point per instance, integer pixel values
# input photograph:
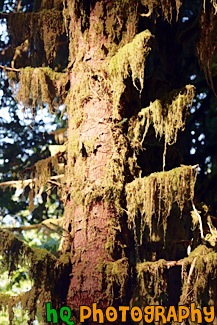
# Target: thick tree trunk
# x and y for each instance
(90, 220)
(90, 212)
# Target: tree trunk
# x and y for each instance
(94, 189)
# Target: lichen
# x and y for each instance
(167, 116)
(153, 196)
(129, 61)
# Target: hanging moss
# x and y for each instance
(129, 61)
(167, 7)
(19, 26)
(152, 282)
(38, 86)
(51, 4)
(52, 27)
(43, 28)
(214, 3)
(207, 44)
(41, 174)
(44, 271)
(199, 273)
(117, 275)
(154, 195)
(167, 116)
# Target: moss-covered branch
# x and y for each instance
(199, 273)
(154, 195)
(167, 116)
(38, 86)
(129, 61)
(45, 270)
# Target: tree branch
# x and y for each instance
(9, 69)
(26, 182)
(4, 15)
(54, 225)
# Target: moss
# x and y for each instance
(44, 271)
(51, 4)
(28, 26)
(153, 196)
(129, 61)
(79, 93)
(52, 27)
(167, 7)
(152, 282)
(117, 275)
(41, 174)
(207, 44)
(39, 85)
(199, 277)
(167, 116)
(121, 22)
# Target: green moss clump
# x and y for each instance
(152, 282)
(199, 273)
(154, 195)
(45, 272)
(117, 274)
(167, 117)
(129, 61)
(39, 85)
(26, 27)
